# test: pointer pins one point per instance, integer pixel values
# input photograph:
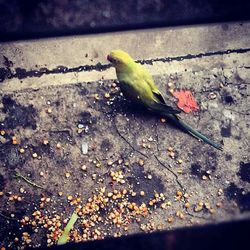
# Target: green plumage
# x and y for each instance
(138, 85)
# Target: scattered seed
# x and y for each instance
(218, 204)
(70, 198)
(170, 219)
(212, 95)
(109, 162)
(67, 175)
(212, 210)
(49, 110)
(163, 205)
(179, 193)
(96, 96)
(204, 177)
(142, 193)
(171, 154)
(47, 199)
(107, 95)
(21, 150)
(220, 192)
(34, 155)
(198, 207)
(180, 171)
(141, 162)
(84, 168)
(45, 142)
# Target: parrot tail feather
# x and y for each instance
(194, 132)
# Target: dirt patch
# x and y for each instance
(137, 172)
(17, 115)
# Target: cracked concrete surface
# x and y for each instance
(85, 108)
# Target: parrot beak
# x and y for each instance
(109, 58)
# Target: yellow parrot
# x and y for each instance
(138, 85)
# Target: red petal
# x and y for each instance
(186, 101)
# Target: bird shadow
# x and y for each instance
(128, 108)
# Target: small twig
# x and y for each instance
(98, 160)
(238, 112)
(196, 216)
(60, 130)
(7, 217)
(18, 175)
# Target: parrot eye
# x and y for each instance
(112, 59)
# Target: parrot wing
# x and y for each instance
(163, 109)
(160, 103)
(150, 82)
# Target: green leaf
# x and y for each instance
(65, 235)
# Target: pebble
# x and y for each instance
(212, 96)
(2, 139)
(80, 126)
(34, 155)
(85, 148)
(149, 176)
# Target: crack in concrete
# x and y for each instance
(168, 167)
(123, 137)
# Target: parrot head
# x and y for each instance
(119, 58)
